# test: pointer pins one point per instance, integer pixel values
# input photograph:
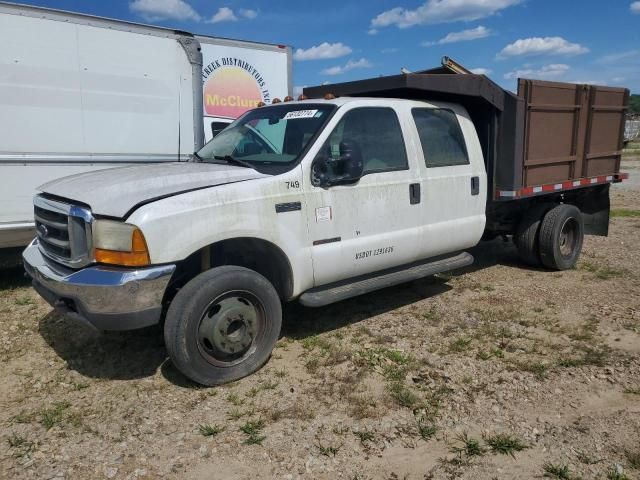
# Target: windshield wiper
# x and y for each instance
(195, 154)
(233, 161)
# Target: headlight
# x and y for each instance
(119, 243)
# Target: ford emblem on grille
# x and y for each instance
(43, 230)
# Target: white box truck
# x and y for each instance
(238, 75)
(81, 93)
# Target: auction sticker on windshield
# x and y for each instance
(300, 114)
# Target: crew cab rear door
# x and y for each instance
(371, 224)
(453, 178)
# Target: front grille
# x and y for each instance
(64, 231)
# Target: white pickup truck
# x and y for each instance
(315, 200)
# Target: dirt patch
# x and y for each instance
(497, 371)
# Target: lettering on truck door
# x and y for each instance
(371, 224)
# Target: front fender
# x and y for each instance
(176, 227)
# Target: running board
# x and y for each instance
(334, 292)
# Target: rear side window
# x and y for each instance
(441, 137)
(375, 133)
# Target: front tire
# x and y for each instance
(223, 325)
(561, 237)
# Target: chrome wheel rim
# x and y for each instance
(230, 328)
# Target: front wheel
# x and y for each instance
(223, 325)
(561, 236)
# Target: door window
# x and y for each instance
(373, 133)
(441, 137)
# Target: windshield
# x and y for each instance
(267, 137)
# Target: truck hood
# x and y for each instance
(116, 191)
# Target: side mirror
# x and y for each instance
(344, 170)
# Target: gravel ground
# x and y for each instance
(498, 371)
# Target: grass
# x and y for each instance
(373, 357)
(210, 430)
(315, 341)
(364, 435)
(395, 373)
(538, 369)
(624, 212)
(23, 417)
(403, 396)
(459, 345)
(396, 356)
(467, 446)
(253, 430)
(614, 474)
(269, 385)
(505, 444)
(586, 331)
(237, 414)
(20, 445)
(602, 273)
(54, 415)
(426, 429)
(328, 451)
(633, 458)
(553, 470)
(252, 393)
(312, 365)
(15, 441)
(494, 352)
(361, 406)
(635, 390)
(255, 439)
(432, 315)
(26, 300)
(235, 399)
(594, 357)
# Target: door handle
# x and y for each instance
(414, 193)
(475, 185)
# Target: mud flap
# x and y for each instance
(595, 205)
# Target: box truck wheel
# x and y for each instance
(223, 325)
(561, 236)
(526, 237)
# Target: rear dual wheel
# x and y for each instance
(551, 236)
(561, 236)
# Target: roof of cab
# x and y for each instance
(339, 101)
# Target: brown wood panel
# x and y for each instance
(537, 175)
(601, 166)
(571, 131)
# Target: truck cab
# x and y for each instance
(314, 200)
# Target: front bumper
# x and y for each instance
(108, 298)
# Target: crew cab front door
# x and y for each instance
(371, 224)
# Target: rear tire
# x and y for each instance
(526, 237)
(561, 237)
(223, 325)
